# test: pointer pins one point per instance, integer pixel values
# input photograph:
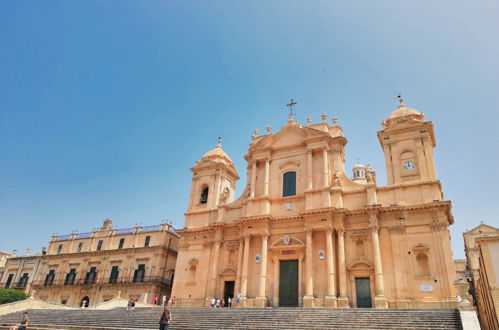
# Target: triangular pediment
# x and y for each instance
(288, 136)
(484, 229)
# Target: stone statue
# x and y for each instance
(337, 180)
(224, 196)
(370, 174)
(119, 294)
(107, 224)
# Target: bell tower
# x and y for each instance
(408, 141)
(213, 184)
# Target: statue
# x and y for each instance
(337, 180)
(224, 196)
(286, 239)
(119, 294)
(370, 174)
(107, 224)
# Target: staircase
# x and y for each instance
(241, 318)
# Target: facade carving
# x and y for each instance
(308, 234)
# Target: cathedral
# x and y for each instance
(304, 233)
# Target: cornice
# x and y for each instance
(109, 252)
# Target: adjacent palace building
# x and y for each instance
(304, 234)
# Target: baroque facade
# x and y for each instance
(90, 268)
(304, 234)
(482, 256)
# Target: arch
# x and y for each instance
(289, 164)
(361, 265)
(203, 198)
(85, 302)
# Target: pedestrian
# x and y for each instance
(23, 325)
(129, 305)
(174, 301)
(218, 303)
(155, 300)
(133, 305)
(238, 298)
(165, 320)
(223, 303)
(229, 302)
(213, 302)
(163, 302)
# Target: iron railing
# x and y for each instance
(104, 281)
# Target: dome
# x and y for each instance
(217, 154)
(402, 112)
(357, 166)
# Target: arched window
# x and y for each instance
(289, 184)
(423, 264)
(192, 274)
(204, 196)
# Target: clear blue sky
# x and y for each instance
(105, 105)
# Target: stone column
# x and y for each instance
(237, 288)
(244, 275)
(267, 175)
(253, 179)
(325, 166)
(342, 299)
(261, 301)
(214, 266)
(379, 300)
(308, 300)
(331, 285)
(310, 170)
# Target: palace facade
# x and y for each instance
(303, 233)
(89, 268)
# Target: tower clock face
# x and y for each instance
(409, 166)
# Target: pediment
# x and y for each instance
(282, 242)
(483, 229)
(360, 264)
(228, 271)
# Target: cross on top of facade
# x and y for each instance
(290, 105)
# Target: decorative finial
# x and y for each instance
(324, 117)
(335, 121)
(219, 141)
(255, 133)
(401, 101)
(269, 129)
(309, 120)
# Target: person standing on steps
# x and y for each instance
(163, 303)
(213, 302)
(229, 302)
(23, 325)
(165, 320)
(155, 300)
(174, 301)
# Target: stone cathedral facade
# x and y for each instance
(304, 233)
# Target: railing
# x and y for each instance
(105, 281)
(151, 228)
(64, 237)
(124, 231)
(83, 235)
(12, 286)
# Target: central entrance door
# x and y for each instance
(288, 283)
(363, 290)
(228, 291)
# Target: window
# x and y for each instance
(80, 246)
(23, 281)
(70, 277)
(423, 264)
(289, 184)
(9, 281)
(49, 279)
(91, 276)
(113, 278)
(204, 196)
(122, 242)
(99, 245)
(148, 240)
(138, 275)
(59, 248)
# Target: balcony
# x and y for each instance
(104, 281)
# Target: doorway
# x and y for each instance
(228, 291)
(363, 292)
(85, 301)
(288, 283)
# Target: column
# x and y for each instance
(310, 170)
(275, 301)
(253, 179)
(341, 263)
(309, 280)
(379, 300)
(325, 166)
(263, 267)
(244, 275)
(331, 290)
(214, 266)
(267, 175)
(237, 289)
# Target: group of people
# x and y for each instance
(155, 301)
(221, 303)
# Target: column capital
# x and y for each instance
(245, 236)
(265, 234)
(328, 229)
(340, 231)
(373, 223)
(308, 230)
